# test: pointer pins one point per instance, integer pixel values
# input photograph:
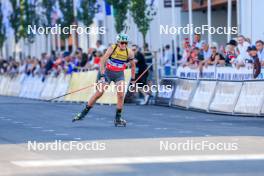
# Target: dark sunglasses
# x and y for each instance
(122, 43)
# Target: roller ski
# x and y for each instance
(81, 115)
(119, 121)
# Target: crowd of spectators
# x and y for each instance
(55, 63)
(237, 53)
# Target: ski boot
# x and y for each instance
(119, 121)
(81, 115)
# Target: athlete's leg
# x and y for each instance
(120, 87)
(100, 88)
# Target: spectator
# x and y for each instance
(179, 56)
(259, 46)
(205, 51)
(3, 66)
(82, 57)
(242, 47)
(205, 56)
(22, 67)
(99, 46)
(96, 60)
(194, 59)
(141, 66)
(230, 52)
(149, 60)
(91, 54)
(215, 58)
(167, 60)
(49, 62)
(147, 54)
(256, 63)
(186, 51)
(68, 64)
(197, 43)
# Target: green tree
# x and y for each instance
(142, 14)
(22, 30)
(31, 19)
(66, 7)
(120, 13)
(46, 19)
(47, 6)
(86, 13)
(23, 15)
(14, 19)
(2, 31)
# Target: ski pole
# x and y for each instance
(71, 92)
(143, 72)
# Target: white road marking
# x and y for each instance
(61, 134)
(48, 130)
(160, 128)
(16, 122)
(3, 117)
(135, 160)
(7, 119)
(77, 138)
(37, 127)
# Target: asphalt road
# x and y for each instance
(149, 145)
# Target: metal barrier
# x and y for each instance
(36, 87)
(184, 90)
(215, 96)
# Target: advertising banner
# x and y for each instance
(225, 96)
(203, 95)
(183, 91)
(251, 98)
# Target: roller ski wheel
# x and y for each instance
(78, 117)
(120, 123)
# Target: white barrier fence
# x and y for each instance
(251, 98)
(232, 97)
(184, 89)
(203, 95)
(34, 87)
(227, 97)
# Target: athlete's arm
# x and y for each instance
(104, 59)
(133, 65)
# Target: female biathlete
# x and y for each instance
(112, 67)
